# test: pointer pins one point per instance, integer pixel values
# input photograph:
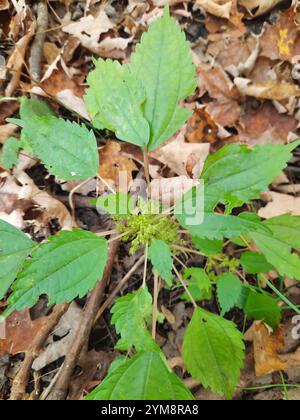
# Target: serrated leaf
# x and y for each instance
(199, 284)
(286, 228)
(195, 212)
(161, 259)
(64, 268)
(213, 352)
(163, 64)
(240, 174)
(10, 152)
(115, 99)
(145, 376)
(255, 263)
(15, 246)
(278, 254)
(208, 247)
(68, 150)
(130, 315)
(229, 289)
(119, 204)
(262, 307)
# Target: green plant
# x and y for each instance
(140, 103)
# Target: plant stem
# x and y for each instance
(280, 295)
(145, 265)
(146, 167)
(155, 297)
(185, 287)
(119, 287)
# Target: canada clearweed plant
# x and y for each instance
(141, 103)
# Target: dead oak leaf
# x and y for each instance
(272, 90)
(116, 167)
(20, 331)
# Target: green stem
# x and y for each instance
(280, 295)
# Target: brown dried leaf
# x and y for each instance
(113, 162)
(280, 204)
(220, 8)
(7, 130)
(4, 4)
(259, 7)
(182, 157)
(169, 190)
(267, 348)
(201, 128)
(20, 330)
(266, 125)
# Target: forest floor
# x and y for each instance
(248, 65)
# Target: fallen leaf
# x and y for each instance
(16, 60)
(182, 157)
(280, 204)
(259, 7)
(268, 347)
(20, 331)
(7, 109)
(201, 128)
(116, 167)
(7, 130)
(220, 8)
(169, 190)
(225, 110)
(266, 124)
(65, 330)
(281, 41)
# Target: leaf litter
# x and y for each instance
(247, 58)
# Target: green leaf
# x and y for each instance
(67, 266)
(199, 284)
(286, 228)
(68, 150)
(130, 315)
(163, 64)
(240, 174)
(15, 246)
(115, 99)
(119, 204)
(229, 289)
(213, 352)
(161, 259)
(144, 377)
(278, 253)
(262, 307)
(10, 152)
(255, 263)
(209, 247)
(195, 213)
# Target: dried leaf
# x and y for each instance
(201, 128)
(113, 162)
(259, 7)
(182, 157)
(6, 131)
(169, 190)
(220, 8)
(20, 330)
(280, 204)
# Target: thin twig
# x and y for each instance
(21, 380)
(35, 60)
(61, 388)
(71, 195)
(185, 287)
(121, 284)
